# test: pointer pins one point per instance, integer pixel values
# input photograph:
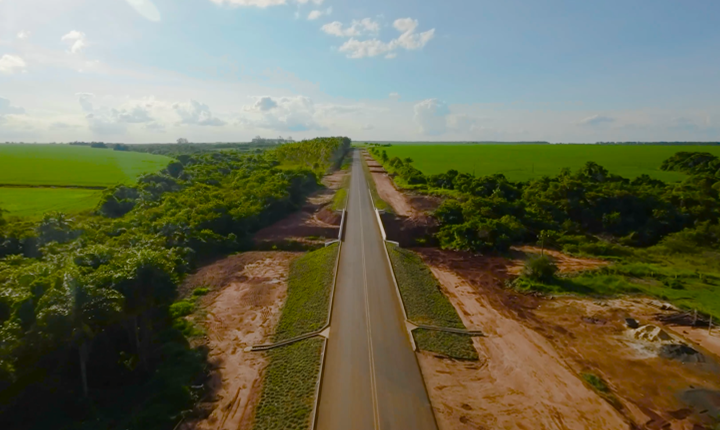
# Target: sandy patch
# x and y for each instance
(528, 377)
(242, 310)
(521, 382)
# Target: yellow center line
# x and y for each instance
(373, 384)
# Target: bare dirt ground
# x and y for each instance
(536, 349)
(564, 262)
(242, 309)
(414, 207)
(314, 223)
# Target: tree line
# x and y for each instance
(490, 213)
(84, 300)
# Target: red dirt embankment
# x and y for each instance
(242, 309)
(313, 224)
(536, 349)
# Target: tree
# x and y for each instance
(78, 312)
(182, 141)
(540, 268)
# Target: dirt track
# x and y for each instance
(243, 308)
(535, 350)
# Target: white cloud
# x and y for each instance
(367, 127)
(146, 9)
(283, 114)
(263, 104)
(356, 28)
(84, 100)
(23, 35)
(431, 116)
(408, 39)
(597, 120)
(11, 64)
(8, 109)
(76, 40)
(394, 95)
(196, 113)
(315, 14)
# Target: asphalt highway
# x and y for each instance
(371, 379)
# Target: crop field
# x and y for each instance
(73, 165)
(41, 166)
(30, 202)
(523, 162)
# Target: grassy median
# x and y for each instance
(288, 394)
(426, 304)
(308, 299)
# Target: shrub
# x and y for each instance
(540, 268)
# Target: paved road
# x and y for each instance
(372, 379)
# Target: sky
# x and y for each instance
(145, 71)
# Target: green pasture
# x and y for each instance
(523, 162)
(74, 165)
(34, 202)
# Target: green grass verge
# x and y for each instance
(74, 165)
(379, 203)
(524, 162)
(426, 304)
(34, 202)
(340, 199)
(308, 299)
(450, 344)
(288, 392)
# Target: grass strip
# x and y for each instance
(453, 345)
(288, 393)
(340, 199)
(309, 286)
(425, 303)
(379, 203)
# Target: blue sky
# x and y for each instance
(219, 70)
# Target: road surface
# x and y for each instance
(372, 380)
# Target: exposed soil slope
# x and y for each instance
(247, 293)
(536, 349)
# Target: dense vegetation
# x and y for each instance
(88, 338)
(426, 304)
(663, 236)
(524, 162)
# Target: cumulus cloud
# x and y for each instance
(283, 114)
(263, 104)
(356, 28)
(10, 64)
(431, 116)
(196, 113)
(114, 121)
(76, 40)
(315, 14)
(409, 39)
(146, 9)
(597, 120)
(23, 35)
(85, 101)
(6, 108)
(394, 95)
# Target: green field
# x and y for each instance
(29, 202)
(523, 162)
(64, 165)
(73, 165)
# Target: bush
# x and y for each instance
(181, 309)
(540, 268)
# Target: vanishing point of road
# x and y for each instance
(371, 378)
